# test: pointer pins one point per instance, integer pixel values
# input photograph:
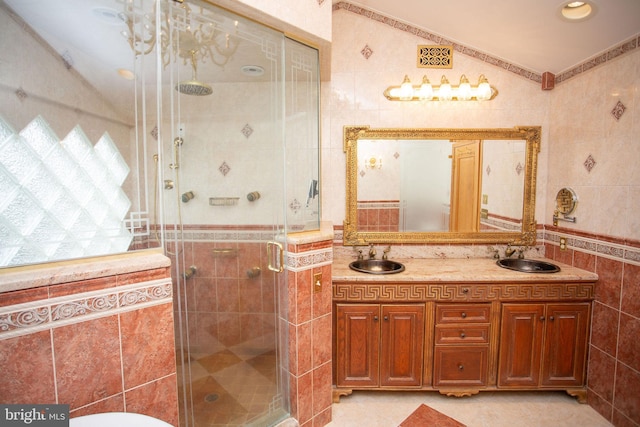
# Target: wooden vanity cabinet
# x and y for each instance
(461, 338)
(543, 345)
(379, 345)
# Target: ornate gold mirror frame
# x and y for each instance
(527, 236)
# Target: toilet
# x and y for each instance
(117, 419)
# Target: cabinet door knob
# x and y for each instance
(461, 367)
(386, 317)
(465, 290)
(542, 318)
(551, 318)
(462, 335)
(463, 315)
(375, 318)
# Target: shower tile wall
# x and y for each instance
(107, 344)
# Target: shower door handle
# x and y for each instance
(275, 260)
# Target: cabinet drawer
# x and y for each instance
(459, 313)
(462, 334)
(460, 366)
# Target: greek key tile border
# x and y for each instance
(306, 260)
(27, 318)
(374, 292)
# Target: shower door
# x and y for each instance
(223, 198)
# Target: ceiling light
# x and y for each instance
(577, 10)
(126, 74)
(252, 70)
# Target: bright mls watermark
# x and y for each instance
(34, 415)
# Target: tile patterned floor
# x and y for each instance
(220, 394)
(488, 409)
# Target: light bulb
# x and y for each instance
(406, 90)
(484, 89)
(425, 93)
(444, 92)
(464, 89)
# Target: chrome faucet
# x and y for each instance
(509, 251)
(372, 252)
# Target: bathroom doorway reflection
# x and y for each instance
(227, 209)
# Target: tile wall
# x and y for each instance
(97, 335)
(309, 321)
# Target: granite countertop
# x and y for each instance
(459, 270)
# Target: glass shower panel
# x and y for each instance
(302, 130)
(222, 186)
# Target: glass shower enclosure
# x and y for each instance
(238, 170)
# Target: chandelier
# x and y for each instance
(200, 36)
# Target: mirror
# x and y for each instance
(441, 185)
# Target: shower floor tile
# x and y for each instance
(232, 387)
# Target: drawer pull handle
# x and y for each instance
(460, 367)
(465, 290)
(462, 335)
(463, 315)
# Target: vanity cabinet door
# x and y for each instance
(402, 345)
(379, 345)
(565, 349)
(558, 361)
(357, 344)
(520, 344)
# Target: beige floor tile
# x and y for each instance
(499, 409)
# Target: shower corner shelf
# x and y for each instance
(223, 201)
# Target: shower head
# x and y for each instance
(194, 87)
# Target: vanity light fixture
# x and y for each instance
(464, 91)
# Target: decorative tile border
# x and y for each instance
(301, 261)
(31, 317)
(621, 49)
(615, 251)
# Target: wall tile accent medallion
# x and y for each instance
(247, 130)
(366, 52)
(224, 168)
(21, 94)
(589, 163)
(295, 206)
(618, 110)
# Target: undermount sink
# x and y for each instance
(377, 266)
(528, 265)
